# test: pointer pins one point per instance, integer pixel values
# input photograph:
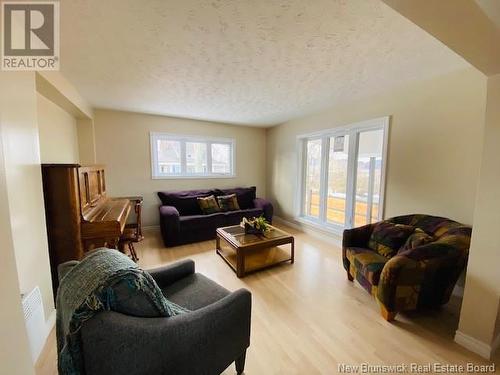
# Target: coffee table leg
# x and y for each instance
(240, 264)
(217, 243)
(293, 251)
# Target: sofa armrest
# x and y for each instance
(171, 273)
(266, 206)
(169, 212)
(203, 341)
(169, 225)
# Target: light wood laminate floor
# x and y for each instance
(307, 318)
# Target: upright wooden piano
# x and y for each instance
(79, 215)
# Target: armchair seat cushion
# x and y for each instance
(367, 263)
(194, 292)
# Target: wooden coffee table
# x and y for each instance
(246, 253)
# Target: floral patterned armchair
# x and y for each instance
(417, 274)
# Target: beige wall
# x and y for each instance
(86, 140)
(480, 306)
(123, 145)
(23, 178)
(15, 357)
(434, 146)
(58, 133)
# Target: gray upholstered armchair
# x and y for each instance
(215, 333)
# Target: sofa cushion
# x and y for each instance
(387, 237)
(186, 202)
(194, 292)
(235, 217)
(245, 196)
(208, 205)
(416, 239)
(193, 222)
(228, 202)
(366, 262)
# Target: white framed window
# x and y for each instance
(342, 175)
(179, 156)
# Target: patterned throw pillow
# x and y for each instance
(387, 237)
(208, 205)
(228, 202)
(416, 239)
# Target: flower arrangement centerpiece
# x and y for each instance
(255, 225)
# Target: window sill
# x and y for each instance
(193, 177)
(327, 228)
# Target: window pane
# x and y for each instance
(169, 156)
(312, 178)
(368, 178)
(221, 158)
(337, 179)
(196, 157)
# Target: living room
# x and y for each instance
(310, 188)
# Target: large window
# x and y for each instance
(342, 175)
(177, 156)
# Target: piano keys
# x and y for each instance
(79, 214)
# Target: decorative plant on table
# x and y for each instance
(255, 225)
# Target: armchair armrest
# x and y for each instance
(171, 273)
(169, 225)
(423, 276)
(266, 206)
(203, 341)
(357, 237)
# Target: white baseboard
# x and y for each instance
(314, 232)
(151, 227)
(50, 322)
(49, 325)
(474, 345)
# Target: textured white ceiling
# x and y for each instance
(257, 62)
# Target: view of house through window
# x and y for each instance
(342, 175)
(182, 156)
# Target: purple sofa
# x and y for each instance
(182, 222)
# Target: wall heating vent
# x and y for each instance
(35, 321)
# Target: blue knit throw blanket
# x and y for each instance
(86, 290)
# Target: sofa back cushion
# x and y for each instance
(387, 237)
(448, 235)
(186, 202)
(245, 196)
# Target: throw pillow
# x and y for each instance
(208, 205)
(228, 202)
(416, 239)
(387, 237)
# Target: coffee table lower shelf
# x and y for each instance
(255, 260)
